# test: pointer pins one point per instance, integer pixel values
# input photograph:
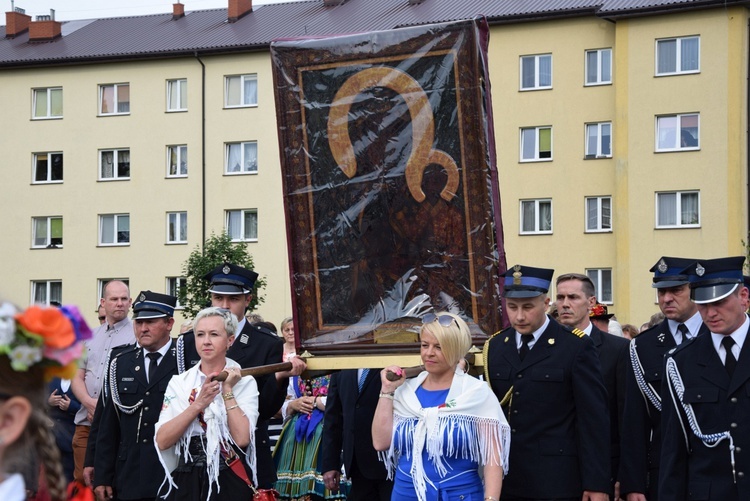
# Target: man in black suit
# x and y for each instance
(706, 409)
(347, 426)
(576, 304)
(126, 465)
(231, 288)
(641, 431)
(550, 384)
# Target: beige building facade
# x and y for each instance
(619, 139)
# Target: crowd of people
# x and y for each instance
(564, 409)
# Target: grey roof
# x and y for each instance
(207, 31)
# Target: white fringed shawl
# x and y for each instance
(217, 428)
(471, 417)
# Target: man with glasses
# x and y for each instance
(641, 423)
(549, 381)
(231, 288)
(576, 303)
(706, 409)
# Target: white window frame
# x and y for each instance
(242, 230)
(101, 282)
(116, 218)
(678, 56)
(242, 101)
(174, 284)
(596, 275)
(678, 209)
(600, 80)
(679, 130)
(49, 293)
(243, 161)
(537, 152)
(48, 103)
(597, 126)
(537, 85)
(116, 90)
(176, 218)
(178, 86)
(48, 232)
(600, 225)
(49, 154)
(537, 217)
(181, 154)
(116, 152)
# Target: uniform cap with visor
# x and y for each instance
(714, 279)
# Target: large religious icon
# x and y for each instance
(390, 187)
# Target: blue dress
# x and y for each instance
(463, 474)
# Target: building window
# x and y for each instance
(177, 227)
(46, 292)
(177, 161)
(102, 282)
(678, 132)
(598, 214)
(536, 216)
(536, 72)
(174, 286)
(114, 164)
(241, 91)
(48, 167)
(114, 229)
(242, 158)
(242, 225)
(599, 140)
(678, 55)
(114, 99)
(602, 278)
(177, 95)
(47, 103)
(47, 232)
(678, 209)
(536, 144)
(599, 67)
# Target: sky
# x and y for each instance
(66, 10)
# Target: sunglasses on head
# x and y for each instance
(444, 320)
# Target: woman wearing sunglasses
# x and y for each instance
(437, 430)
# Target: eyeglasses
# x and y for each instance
(444, 320)
(101, 318)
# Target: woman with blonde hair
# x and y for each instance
(35, 346)
(437, 430)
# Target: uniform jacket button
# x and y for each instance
(733, 400)
(733, 425)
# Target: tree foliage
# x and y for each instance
(217, 249)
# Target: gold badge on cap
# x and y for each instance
(517, 274)
(662, 267)
(700, 270)
(226, 269)
(551, 341)
(142, 297)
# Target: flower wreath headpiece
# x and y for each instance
(48, 336)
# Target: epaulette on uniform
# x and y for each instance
(672, 352)
(266, 332)
(573, 330)
(121, 349)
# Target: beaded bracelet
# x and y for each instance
(228, 395)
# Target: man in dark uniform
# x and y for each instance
(352, 399)
(641, 431)
(576, 306)
(126, 465)
(231, 288)
(706, 409)
(549, 381)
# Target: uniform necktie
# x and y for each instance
(729, 362)
(362, 378)
(684, 331)
(154, 357)
(525, 340)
